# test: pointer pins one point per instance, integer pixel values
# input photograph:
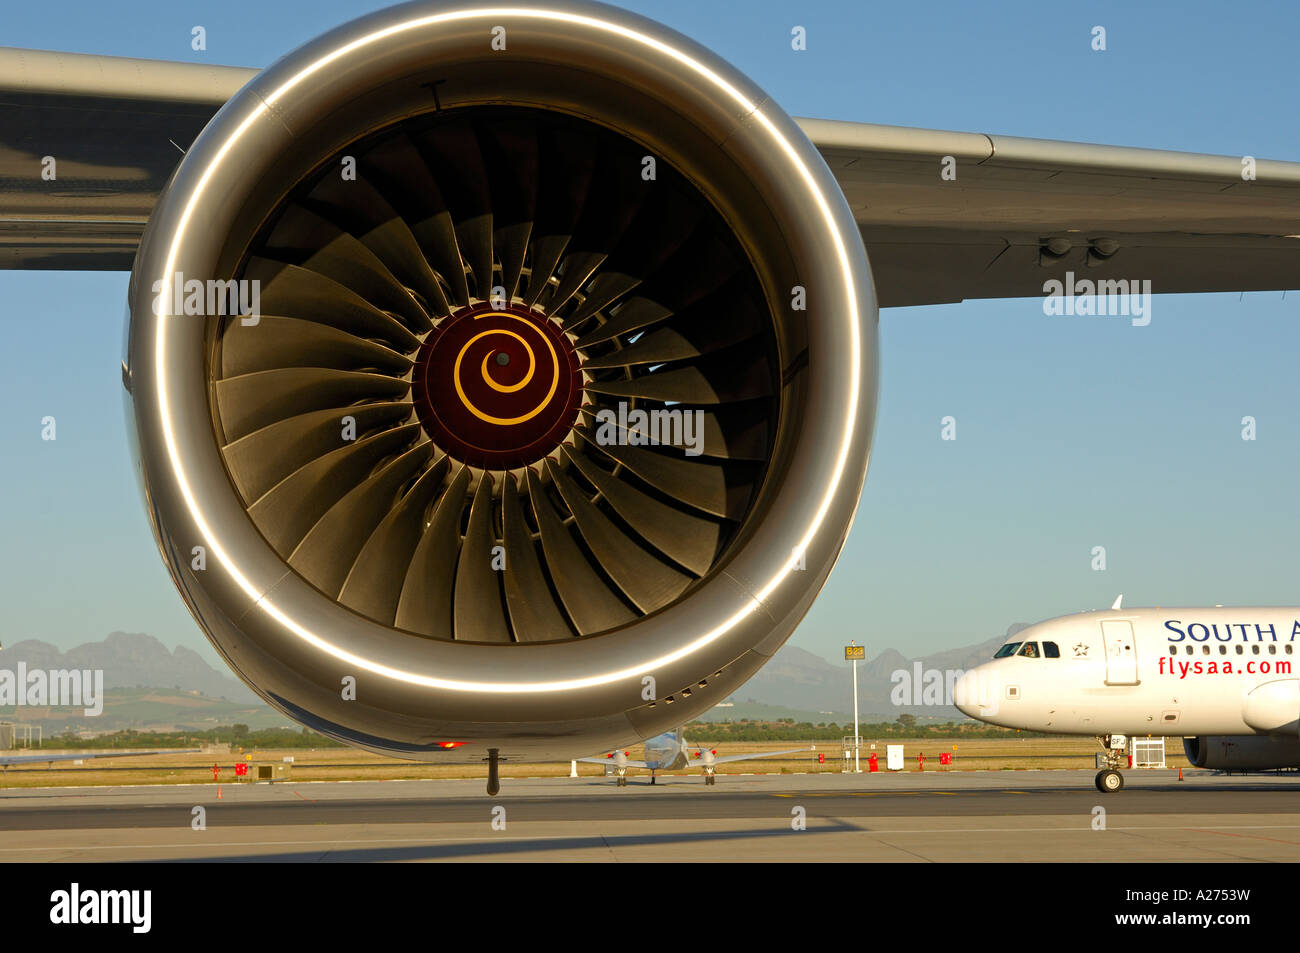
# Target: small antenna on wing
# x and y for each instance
(1118, 601)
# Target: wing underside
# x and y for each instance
(945, 216)
(611, 763)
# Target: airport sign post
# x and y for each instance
(853, 652)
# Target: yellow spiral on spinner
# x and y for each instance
(506, 388)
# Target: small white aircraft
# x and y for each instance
(672, 752)
(1223, 678)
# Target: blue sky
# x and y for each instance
(1072, 432)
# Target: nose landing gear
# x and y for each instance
(1109, 780)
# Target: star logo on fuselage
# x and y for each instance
(1080, 649)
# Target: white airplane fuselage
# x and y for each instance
(1179, 671)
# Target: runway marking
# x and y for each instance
(877, 832)
(1254, 836)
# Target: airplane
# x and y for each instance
(419, 314)
(1225, 679)
(671, 751)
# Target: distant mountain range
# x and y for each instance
(150, 686)
(133, 660)
(798, 679)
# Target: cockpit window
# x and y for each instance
(1030, 650)
(1051, 650)
(1008, 649)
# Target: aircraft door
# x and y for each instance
(1121, 652)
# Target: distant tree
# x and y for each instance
(239, 731)
(907, 721)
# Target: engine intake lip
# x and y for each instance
(764, 177)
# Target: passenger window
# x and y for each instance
(1051, 650)
(1272, 650)
(1189, 650)
(1205, 650)
(1288, 648)
(1223, 650)
(1240, 650)
(1173, 650)
(1254, 650)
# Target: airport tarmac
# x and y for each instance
(956, 816)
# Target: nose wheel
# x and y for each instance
(1109, 781)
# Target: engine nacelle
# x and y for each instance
(1242, 752)
(502, 377)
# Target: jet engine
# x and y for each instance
(503, 380)
(1242, 752)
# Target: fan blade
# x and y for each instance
(695, 482)
(692, 385)
(534, 615)
(265, 457)
(287, 512)
(683, 338)
(304, 238)
(687, 540)
(402, 175)
(509, 150)
(546, 255)
(660, 228)
(566, 167)
(647, 581)
(512, 247)
(298, 293)
(375, 582)
(360, 209)
(479, 612)
(424, 605)
(605, 288)
(586, 596)
(455, 159)
(327, 553)
(578, 267)
(632, 315)
(292, 342)
(735, 432)
(475, 238)
(719, 381)
(703, 264)
(252, 401)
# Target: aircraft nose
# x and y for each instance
(977, 691)
(965, 694)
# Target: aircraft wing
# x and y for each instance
(610, 761)
(759, 754)
(1019, 211)
(7, 760)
